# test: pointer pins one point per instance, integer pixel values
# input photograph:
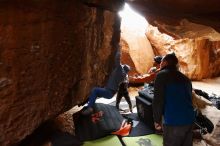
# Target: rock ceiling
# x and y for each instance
(182, 6)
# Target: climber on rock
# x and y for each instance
(118, 75)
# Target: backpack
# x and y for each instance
(204, 124)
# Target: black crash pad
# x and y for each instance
(64, 139)
(139, 127)
(110, 122)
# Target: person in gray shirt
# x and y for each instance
(116, 77)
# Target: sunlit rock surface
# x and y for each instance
(51, 54)
(138, 53)
(136, 48)
(196, 46)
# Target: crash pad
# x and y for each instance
(147, 140)
(139, 127)
(86, 129)
(111, 140)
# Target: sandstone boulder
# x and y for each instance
(196, 46)
(136, 51)
(52, 53)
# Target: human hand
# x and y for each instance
(157, 126)
(134, 76)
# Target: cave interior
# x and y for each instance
(52, 53)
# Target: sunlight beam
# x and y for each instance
(133, 21)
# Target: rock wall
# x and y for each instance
(136, 52)
(197, 47)
(51, 54)
(136, 48)
(178, 6)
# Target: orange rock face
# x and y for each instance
(136, 48)
(197, 47)
(51, 54)
(138, 53)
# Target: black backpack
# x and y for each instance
(204, 124)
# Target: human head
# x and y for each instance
(157, 60)
(126, 68)
(170, 60)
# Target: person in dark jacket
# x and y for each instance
(172, 104)
(123, 91)
(116, 77)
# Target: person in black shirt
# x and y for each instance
(123, 91)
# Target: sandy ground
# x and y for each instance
(208, 85)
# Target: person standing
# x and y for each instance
(172, 104)
(123, 91)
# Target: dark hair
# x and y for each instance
(126, 68)
(171, 59)
(158, 59)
